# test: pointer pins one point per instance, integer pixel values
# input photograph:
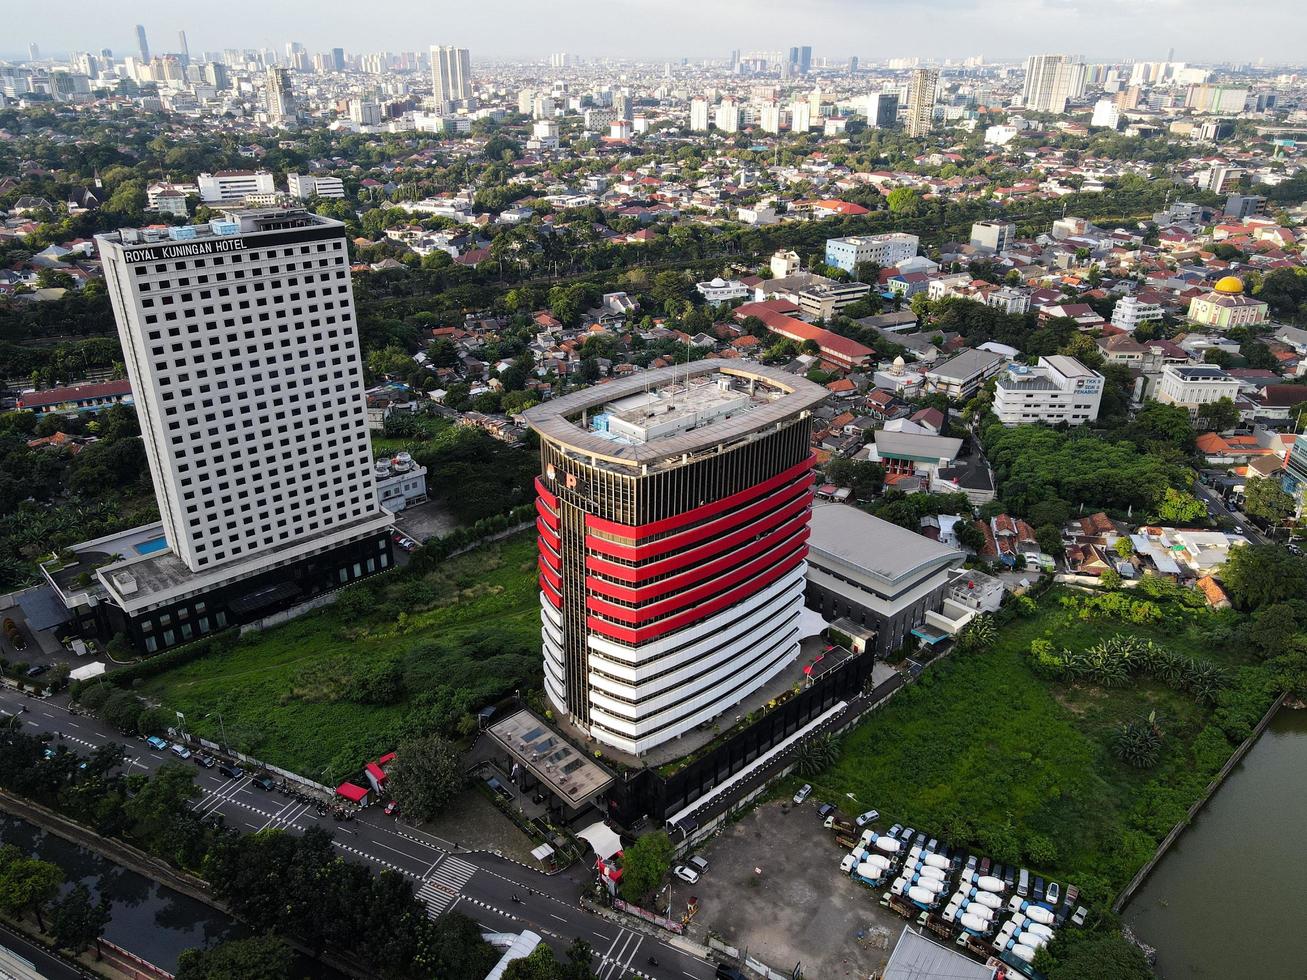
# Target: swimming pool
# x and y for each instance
(151, 546)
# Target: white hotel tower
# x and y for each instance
(241, 344)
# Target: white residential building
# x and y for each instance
(993, 236)
(720, 290)
(1008, 299)
(771, 118)
(1193, 386)
(1129, 313)
(699, 115)
(169, 198)
(305, 186)
(885, 250)
(1106, 114)
(1051, 81)
(800, 116)
(233, 186)
(451, 73)
(728, 116)
(400, 482)
(1058, 389)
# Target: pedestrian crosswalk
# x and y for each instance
(443, 885)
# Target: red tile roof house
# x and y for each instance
(839, 352)
(76, 398)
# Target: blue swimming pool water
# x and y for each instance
(151, 546)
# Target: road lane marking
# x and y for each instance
(558, 917)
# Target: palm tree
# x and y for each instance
(1139, 743)
(816, 755)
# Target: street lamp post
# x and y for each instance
(226, 745)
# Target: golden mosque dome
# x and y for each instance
(1230, 285)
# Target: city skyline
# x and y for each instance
(999, 30)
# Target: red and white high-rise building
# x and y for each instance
(673, 511)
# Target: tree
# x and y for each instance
(1264, 498)
(1123, 547)
(1139, 743)
(1261, 575)
(644, 864)
(1050, 539)
(75, 923)
(970, 536)
(1274, 629)
(903, 200)
(1080, 954)
(257, 958)
(1218, 416)
(426, 776)
(1167, 424)
(1110, 579)
(1180, 507)
(816, 755)
(27, 884)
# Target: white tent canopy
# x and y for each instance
(602, 838)
(87, 671)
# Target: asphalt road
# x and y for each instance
(1216, 508)
(50, 966)
(480, 885)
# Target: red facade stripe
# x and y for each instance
(643, 634)
(554, 598)
(549, 534)
(655, 610)
(700, 572)
(695, 514)
(550, 574)
(701, 553)
(545, 495)
(547, 515)
(703, 532)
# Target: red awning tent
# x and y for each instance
(353, 793)
(376, 776)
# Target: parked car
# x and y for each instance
(905, 834)
(984, 866)
(205, 760)
(972, 862)
(688, 875)
(1052, 893)
(1009, 876)
(180, 751)
(1023, 883)
(264, 782)
(391, 808)
(871, 816)
(230, 771)
(1072, 893)
(1039, 889)
(1079, 918)
(36, 670)
(699, 864)
(896, 830)
(825, 810)
(156, 743)
(803, 793)
(932, 845)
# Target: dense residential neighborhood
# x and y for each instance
(478, 518)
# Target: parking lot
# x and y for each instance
(800, 908)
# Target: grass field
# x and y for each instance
(399, 656)
(982, 752)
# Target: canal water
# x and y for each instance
(1229, 898)
(154, 922)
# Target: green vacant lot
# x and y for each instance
(982, 752)
(402, 655)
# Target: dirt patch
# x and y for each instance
(800, 909)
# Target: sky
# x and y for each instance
(1102, 30)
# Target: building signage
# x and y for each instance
(219, 244)
(182, 250)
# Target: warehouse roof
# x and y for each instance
(852, 537)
